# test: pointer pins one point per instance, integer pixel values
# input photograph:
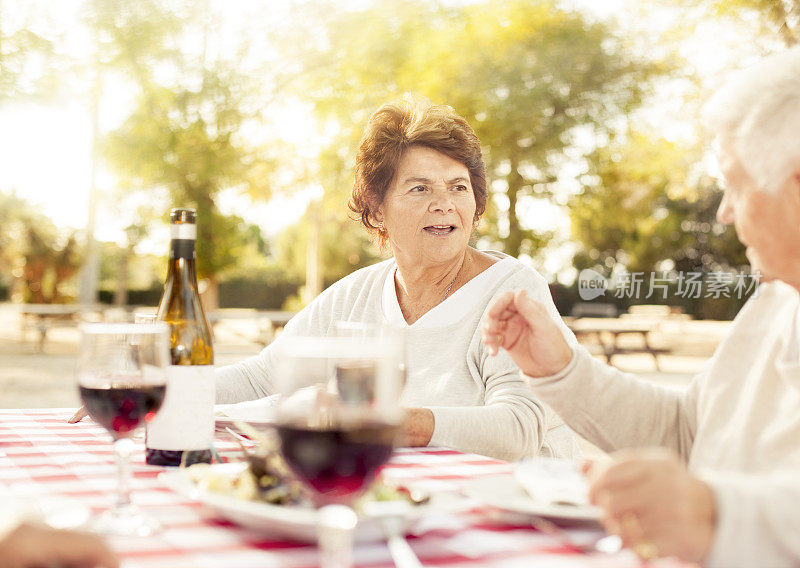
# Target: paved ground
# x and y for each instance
(29, 379)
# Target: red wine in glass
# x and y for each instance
(337, 461)
(337, 420)
(121, 408)
(122, 379)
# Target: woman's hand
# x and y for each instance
(654, 504)
(79, 415)
(31, 546)
(418, 425)
(525, 329)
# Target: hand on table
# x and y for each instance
(654, 504)
(418, 425)
(526, 330)
(33, 546)
(79, 415)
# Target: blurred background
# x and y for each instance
(113, 111)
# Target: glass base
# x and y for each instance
(125, 521)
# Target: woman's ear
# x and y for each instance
(376, 212)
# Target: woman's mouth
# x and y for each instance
(440, 229)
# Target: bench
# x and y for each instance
(594, 309)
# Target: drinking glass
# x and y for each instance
(394, 337)
(122, 379)
(337, 421)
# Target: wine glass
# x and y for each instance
(337, 420)
(395, 337)
(122, 380)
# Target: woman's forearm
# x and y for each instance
(418, 427)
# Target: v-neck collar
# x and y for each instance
(453, 308)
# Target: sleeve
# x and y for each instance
(252, 378)
(615, 410)
(758, 519)
(512, 423)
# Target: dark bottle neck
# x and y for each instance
(181, 248)
(182, 262)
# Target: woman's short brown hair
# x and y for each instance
(395, 127)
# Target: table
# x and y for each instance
(607, 331)
(270, 322)
(43, 317)
(45, 454)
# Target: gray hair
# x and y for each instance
(758, 112)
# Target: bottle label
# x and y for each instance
(183, 231)
(186, 419)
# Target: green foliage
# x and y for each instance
(344, 246)
(35, 253)
(780, 18)
(772, 19)
(183, 135)
(639, 208)
(525, 75)
(28, 60)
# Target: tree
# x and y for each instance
(780, 18)
(28, 59)
(639, 208)
(183, 135)
(40, 259)
(527, 76)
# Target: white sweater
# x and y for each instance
(480, 403)
(737, 426)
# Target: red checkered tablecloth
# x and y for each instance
(40, 453)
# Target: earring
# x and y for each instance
(380, 226)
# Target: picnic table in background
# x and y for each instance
(269, 322)
(43, 317)
(42, 454)
(641, 321)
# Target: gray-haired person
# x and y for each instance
(724, 486)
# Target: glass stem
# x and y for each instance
(336, 525)
(123, 448)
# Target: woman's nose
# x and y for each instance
(725, 213)
(441, 200)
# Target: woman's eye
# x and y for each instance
(460, 188)
(418, 188)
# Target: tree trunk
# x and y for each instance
(210, 295)
(90, 272)
(313, 285)
(121, 293)
(515, 181)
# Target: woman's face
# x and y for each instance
(767, 222)
(429, 210)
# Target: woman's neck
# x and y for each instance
(420, 288)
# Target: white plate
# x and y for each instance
(551, 480)
(292, 522)
(504, 492)
(56, 511)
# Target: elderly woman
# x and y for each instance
(421, 188)
(727, 493)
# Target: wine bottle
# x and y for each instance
(183, 431)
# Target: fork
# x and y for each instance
(391, 515)
(610, 544)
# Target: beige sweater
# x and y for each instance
(737, 426)
(480, 403)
